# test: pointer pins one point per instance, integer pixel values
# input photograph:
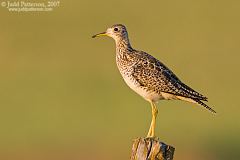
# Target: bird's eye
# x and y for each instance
(115, 29)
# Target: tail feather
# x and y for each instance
(191, 93)
(204, 105)
(196, 101)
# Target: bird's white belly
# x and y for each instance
(134, 85)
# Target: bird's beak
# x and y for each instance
(99, 34)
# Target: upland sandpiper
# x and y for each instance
(147, 76)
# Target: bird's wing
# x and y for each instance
(155, 76)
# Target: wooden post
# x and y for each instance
(151, 149)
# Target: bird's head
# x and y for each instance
(117, 32)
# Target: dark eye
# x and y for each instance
(115, 29)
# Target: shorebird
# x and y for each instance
(147, 76)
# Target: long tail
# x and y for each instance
(204, 105)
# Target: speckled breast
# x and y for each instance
(126, 72)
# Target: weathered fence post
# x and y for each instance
(151, 149)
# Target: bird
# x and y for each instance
(148, 76)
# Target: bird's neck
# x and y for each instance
(123, 46)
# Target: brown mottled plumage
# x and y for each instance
(148, 76)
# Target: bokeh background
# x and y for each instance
(62, 97)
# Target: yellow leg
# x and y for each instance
(150, 131)
(153, 123)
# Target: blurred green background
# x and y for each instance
(62, 97)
